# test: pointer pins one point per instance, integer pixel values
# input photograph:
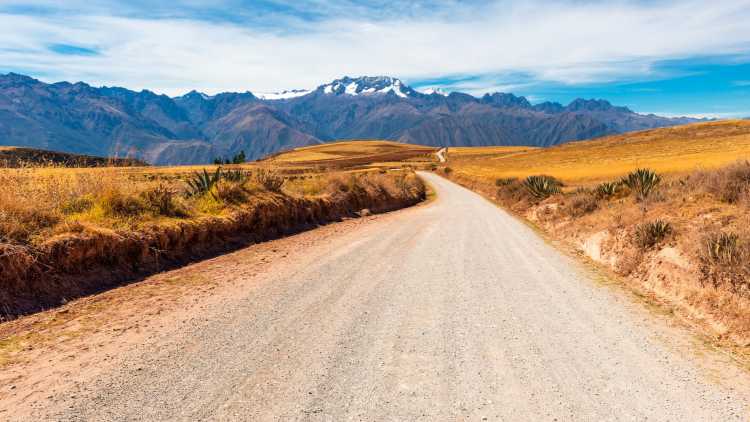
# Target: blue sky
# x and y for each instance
(661, 56)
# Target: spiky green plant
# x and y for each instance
(505, 181)
(542, 187)
(651, 233)
(723, 248)
(607, 189)
(642, 182)
(202, 182)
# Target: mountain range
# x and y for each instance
(196, 128)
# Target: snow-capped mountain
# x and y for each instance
(284, 95)
(434, 91)
(368, 85)
(196, 128)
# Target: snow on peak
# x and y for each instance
(438, 91)
(367, 85)
(284, 94)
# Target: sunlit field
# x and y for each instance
(669, 150)
(42, 200)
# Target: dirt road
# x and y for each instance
(450, 311)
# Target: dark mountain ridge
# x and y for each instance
(195, 128)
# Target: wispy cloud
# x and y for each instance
(270, 45)
(72, 50)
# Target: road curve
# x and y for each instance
(450, 311)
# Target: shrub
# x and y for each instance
(161, 200)
(731, 184)
(652, 233)
(201, 183)
(505, 181)
(607, 190)
(229, 192)
(236, 175)
(542, 187)
(722, 249)
(77, 205)
(114, 203)
(642, 182)
(581, 204)
(447, 170)
(18, 223)
(270, 180)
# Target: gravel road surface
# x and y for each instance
(450, 311)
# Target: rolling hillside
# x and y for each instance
(667, 150)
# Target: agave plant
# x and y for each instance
(723, 248)
(642, 182)
(200, 183)
(542, 187)
(505, 181)
(607, 189)
(651, 233)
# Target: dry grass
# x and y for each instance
(674, 150)
(58, 226)
(684, 240)
(38, 203)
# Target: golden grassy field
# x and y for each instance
(37, 202)
(669, 150)
(59, 223)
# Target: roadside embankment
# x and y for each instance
(51, 255)
(681, 240)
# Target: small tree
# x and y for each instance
(239, 158)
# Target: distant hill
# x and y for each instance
(195, 128)
(20, 156)
(354, 154)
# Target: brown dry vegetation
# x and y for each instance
(686, 243)
(69, 232)
(372, 154)
(32, 157)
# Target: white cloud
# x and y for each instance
(559, 41)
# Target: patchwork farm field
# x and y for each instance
(362, 154)
(672, 150)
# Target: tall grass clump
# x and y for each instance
(642, 182)
(162, 200)
(271, 180)
(730, 185)
(581, 203)
(116, 204)
(542, 187)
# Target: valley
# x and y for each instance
(253, 264)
